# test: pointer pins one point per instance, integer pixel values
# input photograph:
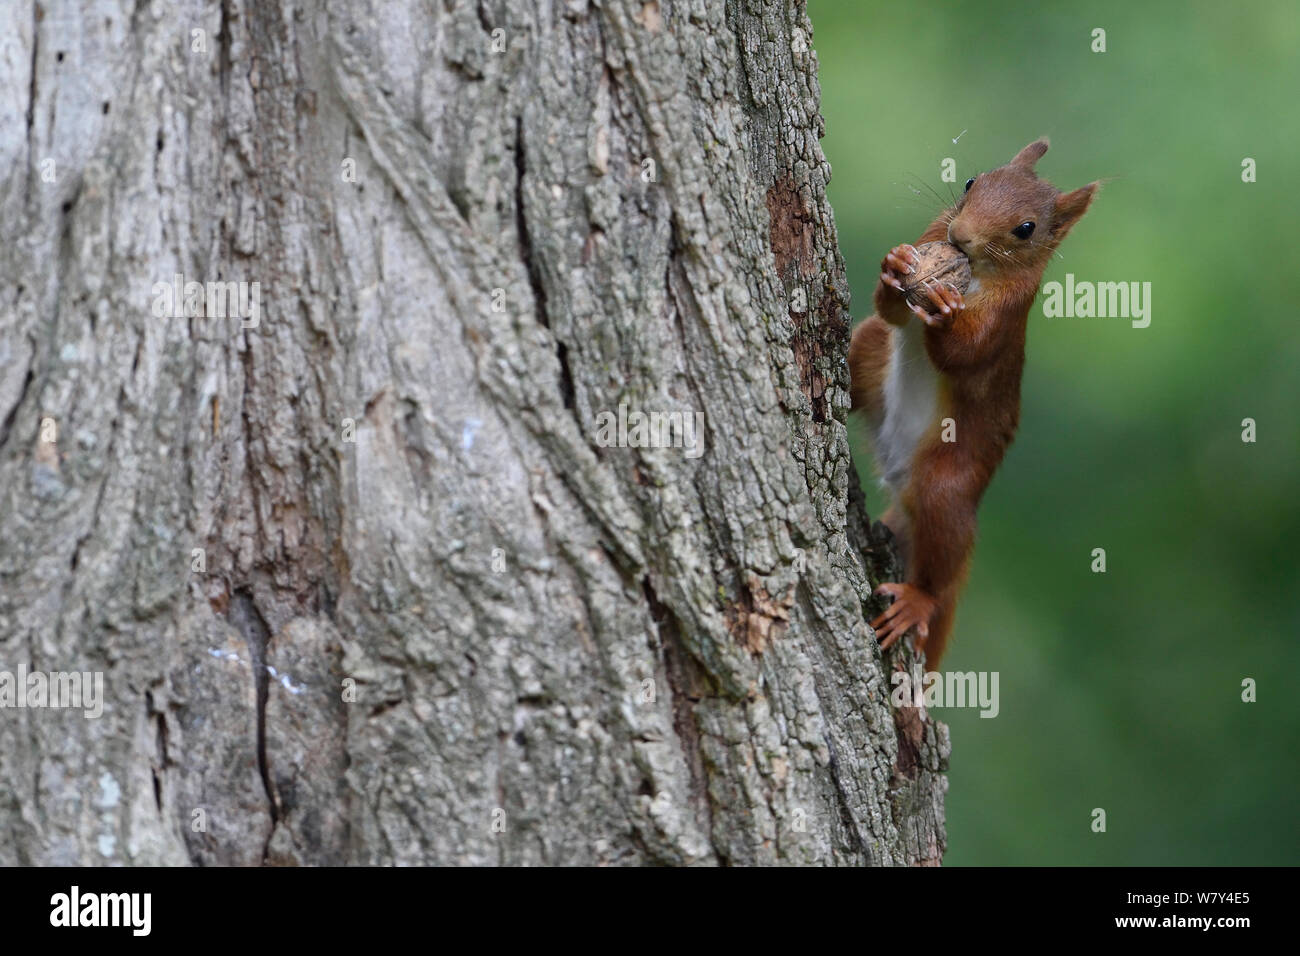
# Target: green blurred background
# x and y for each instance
(1119, 690)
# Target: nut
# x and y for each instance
(939, 262)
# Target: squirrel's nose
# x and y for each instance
(958, 236)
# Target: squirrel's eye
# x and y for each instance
(1023, 231)
(969, 183)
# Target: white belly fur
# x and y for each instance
(911, 405)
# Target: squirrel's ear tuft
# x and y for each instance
(1070, 208)
(1031, 153)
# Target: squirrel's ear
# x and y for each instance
(1031, 153)
(1070, 208)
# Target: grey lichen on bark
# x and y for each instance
(434, 618)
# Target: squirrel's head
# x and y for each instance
(1009, 218)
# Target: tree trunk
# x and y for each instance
(365, 580)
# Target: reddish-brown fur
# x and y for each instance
(977, 349)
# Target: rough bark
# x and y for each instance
(562, 653)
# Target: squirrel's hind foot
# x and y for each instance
(912, 608)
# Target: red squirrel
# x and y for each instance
(960, 358)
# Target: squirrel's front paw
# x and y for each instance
(900, 262)
(944, 303)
